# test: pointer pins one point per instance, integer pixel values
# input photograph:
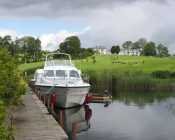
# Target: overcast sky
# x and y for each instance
(96, 22)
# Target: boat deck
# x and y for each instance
(33, 122)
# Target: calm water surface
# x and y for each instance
(121, 121)
(129, 117)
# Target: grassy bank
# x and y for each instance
(125, 64)
(130, 73)
(30, 66)
(124, 73)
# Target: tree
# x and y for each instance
(141, 43)
(6, 42)
(30, 48)
(135, 48)
(162, 51)
(86, 52)
(71, 45)
(115, 49)
(127, 46)
(37, 53)
(138, 46)
(149, 49)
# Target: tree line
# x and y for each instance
(28, 49)
(141, 47)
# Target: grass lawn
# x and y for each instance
(124, 64)
(128, 72)
(27, 66)
(119, 64)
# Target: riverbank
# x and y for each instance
(120, 64)
(124, 73)
(32, 121)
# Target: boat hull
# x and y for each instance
(66, 97)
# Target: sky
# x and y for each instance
(96, 22)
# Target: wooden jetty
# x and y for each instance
(32, 121)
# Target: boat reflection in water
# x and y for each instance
(74, 120)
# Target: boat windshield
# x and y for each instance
(49, 73)
(61, 73)
(73, 74)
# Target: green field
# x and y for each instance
(28, 66)
(127, 73)
(124, 64)
(121, 64)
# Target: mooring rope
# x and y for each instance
(50, 89)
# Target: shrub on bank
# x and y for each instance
(12, 86)
(163, 74)
(4, 133)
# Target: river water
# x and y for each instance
(131, 116)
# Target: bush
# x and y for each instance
(12, 86)
(161, 74)
(2, 112)
(6, 133)
(172, 74)
(3, 130)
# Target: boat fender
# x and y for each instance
(88, 99)
(88, 112)
(53, 99)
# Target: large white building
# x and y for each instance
(102, 50)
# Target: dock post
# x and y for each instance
(52, 103)
(44, 99)
(61, 118)
(39, 95)
(48, 101)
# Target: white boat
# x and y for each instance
(63, 79)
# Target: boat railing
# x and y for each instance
(56, 62)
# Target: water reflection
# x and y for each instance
(132, 118)
(74, 120)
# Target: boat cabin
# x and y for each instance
(62, 73)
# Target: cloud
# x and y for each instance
(108, 21)
(60, 8)
(12, 33)
(51, 41)
(150, 20)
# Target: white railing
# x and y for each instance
(58, 62)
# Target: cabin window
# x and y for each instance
(60, 73)
(49, 73)
(74, 74)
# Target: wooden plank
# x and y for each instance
(32, 121)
